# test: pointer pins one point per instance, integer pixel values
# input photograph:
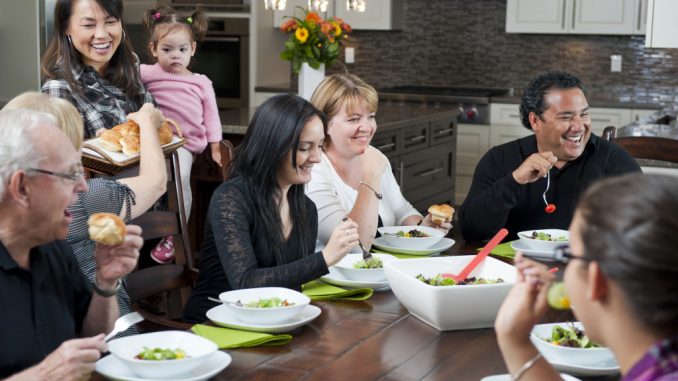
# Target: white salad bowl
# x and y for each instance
(566, 355)
(198, 350)
(450, 307)
(390, 234)
(268, 315)
(544, 245)
(346, 267)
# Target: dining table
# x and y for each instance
(377, 339)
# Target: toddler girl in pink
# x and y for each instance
(186, 97)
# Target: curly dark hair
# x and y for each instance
(629, 229)
(533, 96)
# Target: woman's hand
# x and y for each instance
(343, 239)
(374, 163)
(525, 303)
(147, 115)
(444, 227)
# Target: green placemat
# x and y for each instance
(317, 290)
(233, 338)
(502, 250)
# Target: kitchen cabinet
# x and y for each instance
(662, 28)
(603, 117)
(378, 15)
(422, 157)
(473, 140)
(622, 17)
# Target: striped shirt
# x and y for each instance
(660, 363)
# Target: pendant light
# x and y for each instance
(356, 5)
(276, 5)
(318, 5)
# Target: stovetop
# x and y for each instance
(447, 91)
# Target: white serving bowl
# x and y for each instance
(412, 243)
(346, 269)
(265, 316)
(198, 351)
(567, 355)
(450, 307)
(542, 245)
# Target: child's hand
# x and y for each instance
(216, 153)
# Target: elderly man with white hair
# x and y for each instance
(53, 322)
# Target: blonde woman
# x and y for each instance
(353, 178)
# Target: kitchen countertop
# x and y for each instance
(648, 126)
(593, 102)
(389, 116)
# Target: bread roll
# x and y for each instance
(164, 133)
(440, 213)
(128, 128)
(106, 228)
(110, 140)
(130, 145)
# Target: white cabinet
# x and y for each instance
(603, 117)
(473, 140)
(662, 25)
(378, 15)
(505, 124)
(575, 16)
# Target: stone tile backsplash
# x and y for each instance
(463, 43)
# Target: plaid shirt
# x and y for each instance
(660, 363)
(102, 104)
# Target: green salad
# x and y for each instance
(414, 233)
(439, 280)
(372, 263)
(546, 237)
(267, 303)
(156, 354)
(570, 336)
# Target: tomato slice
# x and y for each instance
(550, 208)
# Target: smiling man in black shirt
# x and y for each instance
(510, 180)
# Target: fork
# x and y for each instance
(550, 208)
(124, 322)
(366, 254)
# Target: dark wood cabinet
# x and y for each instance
(422, 157)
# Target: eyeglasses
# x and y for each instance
(563, 254)
(79, 174)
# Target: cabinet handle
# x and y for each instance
(429, 173)
(640, 12)
(563, 22)
(417, 138)
(514, 116)
(574, 12)
(601, 120)
(445, 131)
(385, 146)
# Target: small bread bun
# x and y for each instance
(110, 140)
(128, 128)
(130, 145)
(164, 133)
(441, 213)
(106, 228)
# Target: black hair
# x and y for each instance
(533, 95)
(163, 20)
(60, 56)
(631, 230)
(273, 132)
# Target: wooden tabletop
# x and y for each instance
(376, 339)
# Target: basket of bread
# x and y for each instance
(118, 148)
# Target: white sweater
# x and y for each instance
(334, 199)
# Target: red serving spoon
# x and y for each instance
(479, 257)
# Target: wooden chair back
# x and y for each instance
(226, 148)
(645, 147)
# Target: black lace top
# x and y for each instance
(235, 253)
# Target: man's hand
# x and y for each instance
(534, 167)
(114, 262)
(74, 360)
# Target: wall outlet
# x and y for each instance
(349, 55)
(615, 63)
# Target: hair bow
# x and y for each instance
(189, 20)
(156, 16)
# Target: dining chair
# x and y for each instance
(645, 147)
(159, 292)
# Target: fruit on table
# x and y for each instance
(556, 296)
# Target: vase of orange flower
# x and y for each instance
(313, 44)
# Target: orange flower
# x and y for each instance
(313, 18)
(301, 34)
(289, 25)
(325, 28)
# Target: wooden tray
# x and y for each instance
(98, 159)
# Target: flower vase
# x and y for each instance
(309, 79)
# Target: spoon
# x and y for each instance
(550, 208)
(479, 257)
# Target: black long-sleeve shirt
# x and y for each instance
(496, 200)
(236, 252)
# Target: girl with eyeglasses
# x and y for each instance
(621, 278)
